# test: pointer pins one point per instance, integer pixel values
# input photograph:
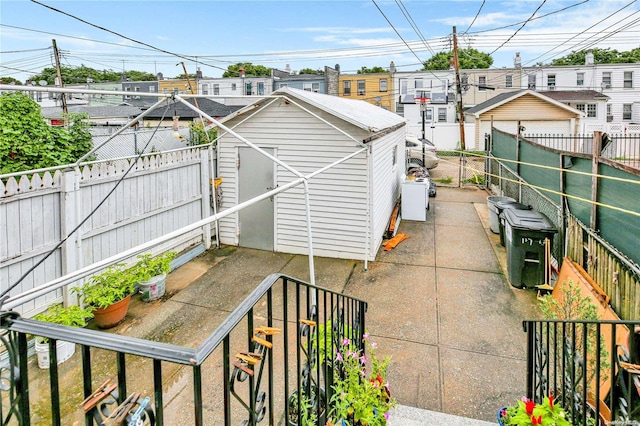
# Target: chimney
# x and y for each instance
(517, 61)
(588, 58)
(199, 74)
(392, 67)
(337, 68)
(159, 76)
(287, 69)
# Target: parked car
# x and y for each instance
(414, 152)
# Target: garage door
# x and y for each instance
(530, 127)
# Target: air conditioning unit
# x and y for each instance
(552, 87)
(609, 118)
(531, 86)
(606, 85)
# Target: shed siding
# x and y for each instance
(338, 196)
(527, 107)
(385, 182)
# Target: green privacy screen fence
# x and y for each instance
(570, 173)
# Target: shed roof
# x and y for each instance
(504, 98)
(575, 95)
(359, 113)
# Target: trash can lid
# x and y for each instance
(529, 220)
(493, 199)
(502, 205)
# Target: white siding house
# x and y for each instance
(351, 203)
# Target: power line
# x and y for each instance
(518, 30)
(123, 36)
(407, 15)
(582, 32)
(403, 40)
(474, 18)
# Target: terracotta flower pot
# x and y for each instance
(112, 315)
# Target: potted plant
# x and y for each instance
(526, 412)
(360, 398)
(72, 316)
(151, 273)
(109, 294)
(308, 407)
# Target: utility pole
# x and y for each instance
(59, 74)
(195, 100)
(459, 103)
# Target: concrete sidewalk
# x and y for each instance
(439, 304)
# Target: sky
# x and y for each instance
(156, 36)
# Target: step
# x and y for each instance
(401, 415)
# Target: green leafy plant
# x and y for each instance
(109, 287)
(72, 316)
(148, 267)
(526, 412)
(445, 180)
(360, 399)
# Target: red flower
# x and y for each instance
(551, 401)
(536, 420)
(530, 406)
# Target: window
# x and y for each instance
(609, 114)
(383, 84)
(216, 89)
(580, 79)
(204, 89)
(247, 88)
(311, 87)
(626, 111)
(233, 87)
(551, 81)
(136, 89)
(628, 80)
(418, 83)
(606, 80)
(482, 83)
(442, 115)
(127, 89)
(428, 114)
(591, 110)
(283, 85)
(346, 88)
(260, 88)
(508, 80)
(531, 82)
(361, 91)
(152, 89)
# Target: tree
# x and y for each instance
(311, 71)
(250, 70)
(468, 58)
(182, 76)
(83, 74)
(27, 142)
(365, 70)
(10, 80)
(600, 56)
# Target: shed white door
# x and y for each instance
(255, 177)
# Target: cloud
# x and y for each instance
(340, 30)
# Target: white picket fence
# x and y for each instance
(160, 194)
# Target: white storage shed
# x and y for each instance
(351, 202)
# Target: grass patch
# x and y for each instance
(475, 180)
(444, 180)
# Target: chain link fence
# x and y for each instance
(134, 142)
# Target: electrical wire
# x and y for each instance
(474, 19)
(5, 294)
(409, 19)
(518, 30)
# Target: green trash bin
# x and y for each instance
(525, 235)
(502, 206)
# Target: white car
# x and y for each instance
(415, 151)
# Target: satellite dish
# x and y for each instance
(43, 82)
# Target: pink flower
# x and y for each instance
(363, 359)
(386, 415)
(374, 345)
(346, 341)
(339, 357)
(365, 336)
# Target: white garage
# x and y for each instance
(351, 203)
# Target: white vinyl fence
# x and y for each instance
(160, 194)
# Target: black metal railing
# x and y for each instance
(269, 360)
(591, 367)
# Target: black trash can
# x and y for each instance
(525, 234)
(500, 207)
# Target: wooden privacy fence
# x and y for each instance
(160, 194)
(616, 275)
